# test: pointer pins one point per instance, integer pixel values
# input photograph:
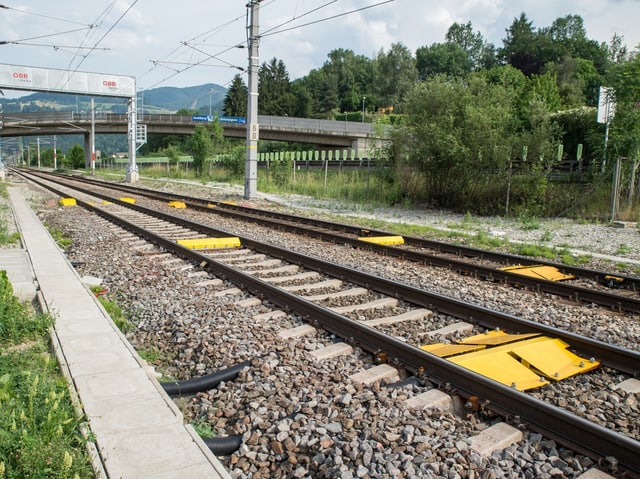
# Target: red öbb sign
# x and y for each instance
(110, 83)
(21, 76)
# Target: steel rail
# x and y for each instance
(574, 293)
(621, 359)
(566, 428)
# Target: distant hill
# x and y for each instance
(157, 100)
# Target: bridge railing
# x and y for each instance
(271, 122)
(286, 122)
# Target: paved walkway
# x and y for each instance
(139, 431)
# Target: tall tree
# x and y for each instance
(200, 147)
(352, 74)
(442, 58)
(74, 157)
(624, 78)
(235, 102)
(322, 91)
(480, 54)
(526, 49)
(395, 75)
(569, 38)
(617, 50)
(275, 94)
(304, 100)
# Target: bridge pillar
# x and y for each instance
(360, 145)
(87, 149)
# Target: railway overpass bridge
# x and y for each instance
(323, 134)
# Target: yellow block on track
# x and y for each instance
(67, 201)
(496, 337)
(177, 204)
(128, 200)
(525, 362)
(551, 357)
(445, 350)
(550, 273)
(210, 243)
(385, 240)
(499, 365)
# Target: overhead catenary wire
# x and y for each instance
(166, 60)
(294, 18)
(197, 42)
(99, 21)
(27, 12)
(108, 31)
(18, 42)
(328, 18)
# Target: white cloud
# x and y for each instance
(154, 30)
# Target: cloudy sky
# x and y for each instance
(189, 42)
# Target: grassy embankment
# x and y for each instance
(39, 430)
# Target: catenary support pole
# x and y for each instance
(251, 163)
(132, 168)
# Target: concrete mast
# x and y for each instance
(253, 129)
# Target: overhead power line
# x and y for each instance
(327, 18)
(27, 12)
(17, 42)
(107, 33)
(294, 18)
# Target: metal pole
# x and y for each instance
(615, 187)
(93, 138)
(38, 152)
(604, 151)
(55, 155)
(363, 99)
(251, 163)
(132, 169)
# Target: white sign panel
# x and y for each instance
(606, 105)
(254, 128)
(18, 77)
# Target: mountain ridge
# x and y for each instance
(205, 99)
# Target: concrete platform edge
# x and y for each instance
(96, 458)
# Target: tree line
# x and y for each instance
(477, 126)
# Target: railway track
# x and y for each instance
(258, 275)
(608, 289)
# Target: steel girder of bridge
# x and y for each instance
(322, 133)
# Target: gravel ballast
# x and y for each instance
(304, 419)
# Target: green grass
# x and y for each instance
(623, 249)
(536, 251)
(5, 236)
(573, 260)
(484, 240)
(116, 313)
(39, 431)
(203, 428)
(60, 238)
(16, 322)
(546, 236)
(528, 223)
